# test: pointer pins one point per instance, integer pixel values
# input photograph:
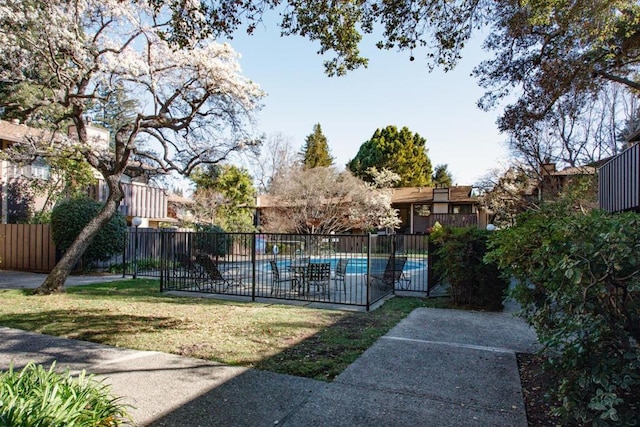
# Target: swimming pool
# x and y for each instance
(356, 265)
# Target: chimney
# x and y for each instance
(547, 168)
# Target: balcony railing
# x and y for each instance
(453, 220)
(139, 199)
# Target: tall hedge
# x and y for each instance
(579, 285)
(211, 240)
(69, 217)
(459, 261)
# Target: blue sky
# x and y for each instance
(440, 106)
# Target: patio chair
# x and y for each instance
(214, 277)
(318, 275)
(340, 273)
(279, 278)
(392, 274)
(184, 262)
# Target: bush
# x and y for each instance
(211, 240)
(579, 286)
(69, 217)
(459, 260)
(35, 396)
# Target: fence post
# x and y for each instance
(124, 252)
(163, 260)
(253, 267)
(368, 280)
(430, 277)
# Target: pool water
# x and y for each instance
(357, 265)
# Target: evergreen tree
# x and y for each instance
(442, 177)
(227, 191)
(315, 152)
(114, 109)
(401, 152)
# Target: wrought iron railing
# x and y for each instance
(256, 266)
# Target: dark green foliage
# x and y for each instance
(401, 151)
(235, 186)
(36, 396)
(579, 285)
(19, 201)
(211, 240)
(69, 217)
(459, 260)
(442, 177)
(315, 152)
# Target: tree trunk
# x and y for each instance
(54, 283)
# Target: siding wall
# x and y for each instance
(619, 182)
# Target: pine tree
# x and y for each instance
(442, 177)
(315, 153)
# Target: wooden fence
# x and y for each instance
(27, 247)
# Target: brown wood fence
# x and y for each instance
(27, 247)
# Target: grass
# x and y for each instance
(287, 339)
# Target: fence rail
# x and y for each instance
(358, 269)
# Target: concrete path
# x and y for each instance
(435, 368)
(24, 280)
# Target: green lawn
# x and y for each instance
(280, 338)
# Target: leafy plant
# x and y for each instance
(579, 286)
(211, 240)
(35, 396)
(459, 260)
(69, 217)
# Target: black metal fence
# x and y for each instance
(338, 269)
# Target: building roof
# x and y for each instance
(575, 170)
(16, 132)
(178, 199)
(461, 194)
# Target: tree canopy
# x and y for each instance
(400, 151)
(315, 152)
(324, 200)
(197, 105)
(442, 177)
(551, 58)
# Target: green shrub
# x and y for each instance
(211, 240)
(579, 285)
(35, 396)
(69, 217)
(459, 260)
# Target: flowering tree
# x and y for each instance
(195, 106)
(324, 200)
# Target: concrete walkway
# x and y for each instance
(24, 280)
(435, 368)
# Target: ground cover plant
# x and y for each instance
(35, 396)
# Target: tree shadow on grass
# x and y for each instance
(99, 326)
